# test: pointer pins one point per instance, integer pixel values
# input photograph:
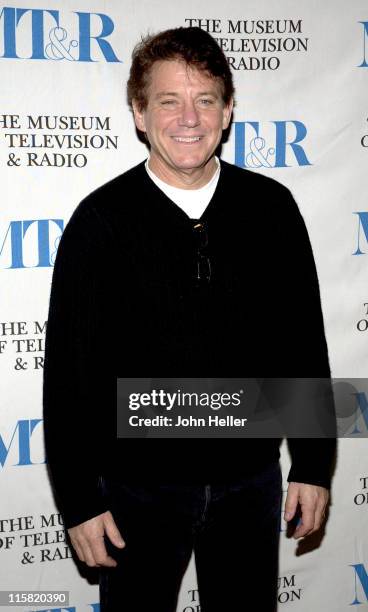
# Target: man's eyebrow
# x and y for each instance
(214, 94)
(161, 94)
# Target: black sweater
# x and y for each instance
(123, 303)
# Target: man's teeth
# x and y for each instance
(183, 139)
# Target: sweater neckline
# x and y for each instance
(169, 208)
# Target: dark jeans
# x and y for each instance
(234, 532)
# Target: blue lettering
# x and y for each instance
(364, 63)
(8, 16)
(25, 429)
(16, 244)
(360, 571)
(44, 241)
(363, 407)
(11, 18)
(241, 151)
(255, 154)
(18, 231)
(362, 222)
(281, 143)
(85, 37)
(38, 44)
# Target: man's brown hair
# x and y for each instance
(192, 45)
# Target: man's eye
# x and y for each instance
(206, 101)
(168, 102)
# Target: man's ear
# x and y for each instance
(228, 109)
(138, 117)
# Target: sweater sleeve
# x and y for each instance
(76, 368)
(312, 458)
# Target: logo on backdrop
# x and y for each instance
(275, 144)
(16, 446)
(30, 243)
(46, 140)
(288, 591)
(39, 34)
(361, 421)
(364, 63)
(24, 343)
(36, 539)
(360, 584)
(362, 231)
(255, 44)
(361, 498)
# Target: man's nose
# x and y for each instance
(189, 115)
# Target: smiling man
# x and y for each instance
(196, 268)
(183, 121)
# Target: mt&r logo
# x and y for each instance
(252, 148)
(38, 34)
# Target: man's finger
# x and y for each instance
(112, 531)
(93, 552)
(88, 555)
(78, 550)
(319, 516)
(307, 522)
(99, 553)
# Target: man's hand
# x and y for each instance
(88, 540)
(313, 501)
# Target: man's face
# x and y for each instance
(183, 120)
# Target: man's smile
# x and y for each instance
(187, 139)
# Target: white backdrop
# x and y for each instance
(301, 117)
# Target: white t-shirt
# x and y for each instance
(192, 201)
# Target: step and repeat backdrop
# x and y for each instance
(301, 75)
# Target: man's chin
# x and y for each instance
(189, 165)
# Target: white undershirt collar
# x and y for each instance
(192, 201)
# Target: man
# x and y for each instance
(183, 266)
